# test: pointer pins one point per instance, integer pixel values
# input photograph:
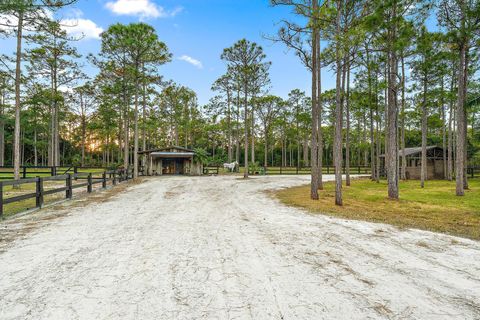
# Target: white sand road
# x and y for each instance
(220, 248)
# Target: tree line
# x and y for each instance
(404, 76)
(399, 82)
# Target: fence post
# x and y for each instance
(1, 200)
(104, 180)
(358, 169)
(297, 169)
(68, 182)
(328, 169)
(114, 177)
(280, 169)
(24, 174)
(89, 185)
(39, 189)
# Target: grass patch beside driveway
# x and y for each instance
(434, 208)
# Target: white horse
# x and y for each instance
(230, 166)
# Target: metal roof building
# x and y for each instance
(435, 162)
(172, 160)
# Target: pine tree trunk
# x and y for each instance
(305, 152)
(237, 132)
(450, 136)
(320, 111)
(444, 129)
(465, 120)
(460, 141)
(265, 160)
(347, 132)
(338, 141)
(245, 102)
(135, 133)
(391, 155)
(35, 153)
(229, 130)
(126, 142)
(252, 130)
(84, 130)
(314, 134)
(144, 120)
(402, 134)
(377, 135)
(16, 135)
(370, 103)
(423, 172)
(84, 137)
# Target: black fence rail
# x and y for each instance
(473, 171)
(306, 170)
(6, 172)
(72, 181)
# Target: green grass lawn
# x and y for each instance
(434, 208)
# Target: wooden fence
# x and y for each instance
(473, 171)
(308, 170)
(215, 169)
(6, 172)
(113, 176)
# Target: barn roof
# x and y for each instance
(412, 151)
(181, 149)
(161, 154)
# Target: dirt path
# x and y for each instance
(220, 248)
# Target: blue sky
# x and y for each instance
(200, 30)
(196, 32)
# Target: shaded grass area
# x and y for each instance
(434, 208)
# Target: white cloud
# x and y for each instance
(192, 61)
(8, 22)
(141, 8)
(82, 28)
(75, 26)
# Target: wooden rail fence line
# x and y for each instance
(215, 169)
(307, 170)
(113, 176)
(6, 172)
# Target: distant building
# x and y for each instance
(170, 161)
(435, 160)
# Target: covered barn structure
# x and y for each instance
(170, 161)
(435, 162)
